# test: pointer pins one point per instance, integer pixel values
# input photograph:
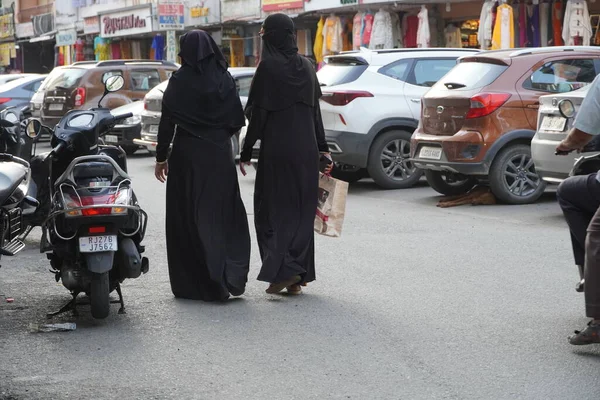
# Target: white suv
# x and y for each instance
(371, 104)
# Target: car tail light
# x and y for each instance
(4, 100)
(79, 97)
(343, 98)
(486, 103)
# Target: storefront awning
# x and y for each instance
(41, 38)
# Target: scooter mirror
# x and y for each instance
(34, 128)
(114, 83)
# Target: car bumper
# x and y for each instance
(552, 168)
(148, 144)
(461, 153)
(348, 147)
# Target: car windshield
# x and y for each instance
(341, 71)
(471, 75)
(64, 78)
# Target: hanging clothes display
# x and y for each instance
(357, 23)
(332, 35)
(318, 46)
(453, 37)
(101, 49)
(577, 24)
(367, 28)
(347, 41)
(484, 36)
(533, 25)
(410, 26)
(522, 25)
(504, 35)
(79, 55)
(423, 34)
(544, 12)
(115, 51)
(557, 20)
(126, 50)
(397, 36)
(158, 45)
(136, 50)
(382, 36)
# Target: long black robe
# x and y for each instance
(208, 240)
(286, 188)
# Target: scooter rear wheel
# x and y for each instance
(99, 296)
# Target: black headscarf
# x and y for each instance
(202, 94)
(283, 76)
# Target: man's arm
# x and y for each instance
(576, 140)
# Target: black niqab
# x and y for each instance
(283, 76)
(202, 94)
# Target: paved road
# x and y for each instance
(413, 302)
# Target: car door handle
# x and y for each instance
(415, 100)
(534, 105)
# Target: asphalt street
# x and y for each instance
(412, 302)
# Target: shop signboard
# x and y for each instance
(318, 5)
(43, 24)
(24, 30)
(66, 38)
(126, 23)
(7, 26)
(277, 5)
(7, 51)
(240, 10)
(205, 12)
(171, 15)
(171, 46)
(91, 25)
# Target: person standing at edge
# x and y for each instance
(283, 110)
(208, 239)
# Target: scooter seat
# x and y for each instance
(11, 176)
(92, 169)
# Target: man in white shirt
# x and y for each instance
(579, 198)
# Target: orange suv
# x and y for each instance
(477, 122)
(81, 85)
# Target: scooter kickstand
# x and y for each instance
(122, 309)
(70, 306)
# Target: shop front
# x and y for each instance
(126, 35)
(8, 49)
(241, 21)
(38, 52)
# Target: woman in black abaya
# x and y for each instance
(283, 110)
(208, 241)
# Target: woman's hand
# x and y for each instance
(243, 165)
(329, 167)
(161, 170)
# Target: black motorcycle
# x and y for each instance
(15, 184)
(92, 225)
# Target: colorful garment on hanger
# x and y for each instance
(411, 27)
(504, 34)
(557, 19)
(397, 36)
(544, 24)
(101, 49)
(332, 35)
(158, 45)
(423, 34)
(126, 49)
(533, 25)
(484, 35)
(523, 25)
(367, 30)
(115, 51)
(453, 37)
(357, 31)
(382, 36)
(136, 50)
(79, 45)
(347, 33)
(318, 46)
(577, 24)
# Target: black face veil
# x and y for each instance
(283, 77)
(202, 94)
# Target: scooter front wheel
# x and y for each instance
(99, 296)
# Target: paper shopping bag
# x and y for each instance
(331, 206)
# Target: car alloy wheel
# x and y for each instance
(394, 160)
(520, 175)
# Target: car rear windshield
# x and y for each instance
(471, 75)
(339, 71)
(67, 78)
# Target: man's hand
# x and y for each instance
(161, 171)
(243, 165)
(563, 149)
(576, 140)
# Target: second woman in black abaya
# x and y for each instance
(284, 113)
(208, 241)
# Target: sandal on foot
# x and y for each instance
(278, 287)
(590, 335)
(294, 289)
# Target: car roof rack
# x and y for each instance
(112, 63)
(538, 50)
(364, 50)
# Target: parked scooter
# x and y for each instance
(15, 182)
(93, 226)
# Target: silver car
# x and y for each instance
(153, 103)
(556, 116)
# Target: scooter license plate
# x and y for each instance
(97, 244)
